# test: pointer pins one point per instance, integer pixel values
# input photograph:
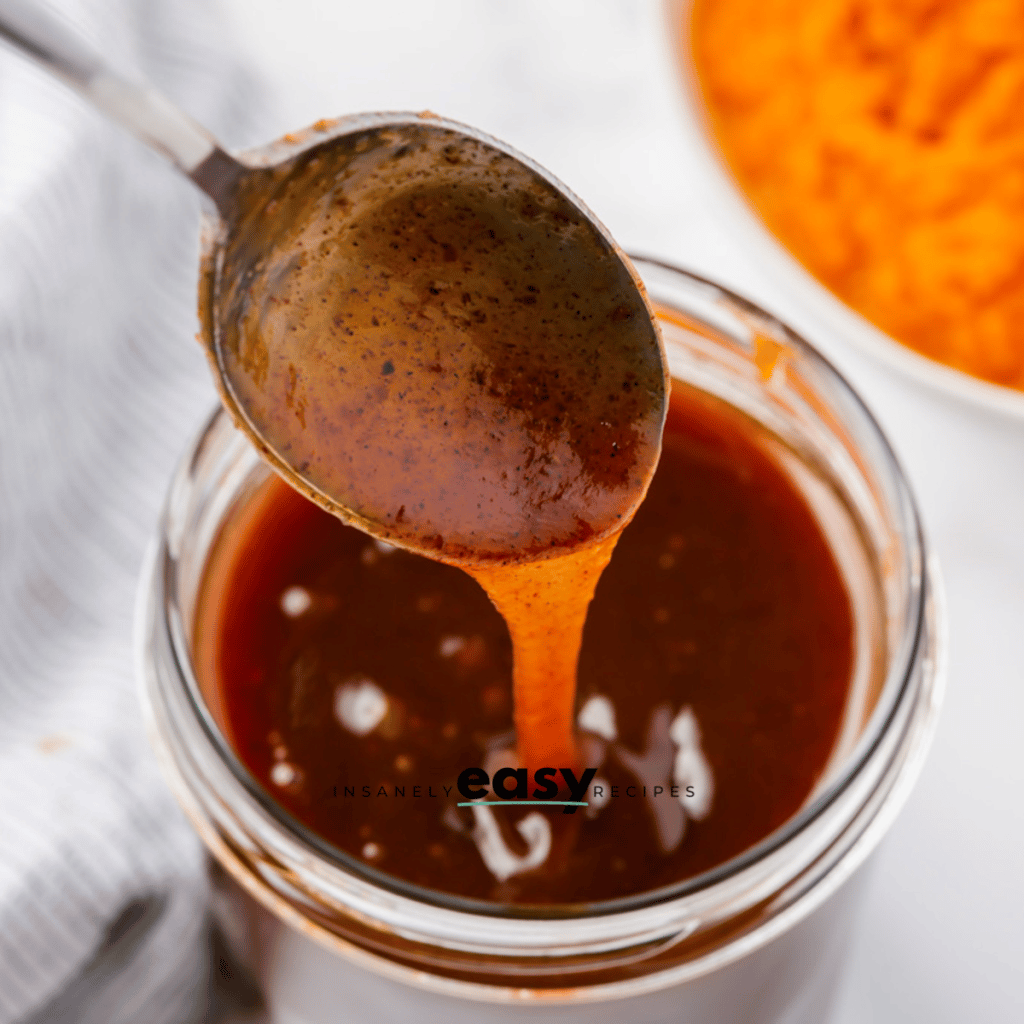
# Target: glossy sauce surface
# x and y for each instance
(716, 659)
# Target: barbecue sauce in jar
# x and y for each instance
(361, 684)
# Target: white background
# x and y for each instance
(587, 88)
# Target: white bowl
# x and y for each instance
(811, 307)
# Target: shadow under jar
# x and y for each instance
(759, 936)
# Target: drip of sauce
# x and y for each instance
(455, 358)
(544, 604)
(357, 681)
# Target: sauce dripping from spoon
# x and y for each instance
(448, 351)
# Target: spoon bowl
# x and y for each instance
(432, 337)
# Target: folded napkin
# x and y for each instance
(102, 883)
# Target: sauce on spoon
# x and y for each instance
(454, 356)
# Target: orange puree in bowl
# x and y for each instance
(883, 143)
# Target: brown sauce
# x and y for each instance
(445, 346)
(357, 683)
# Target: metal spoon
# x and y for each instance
(417, 326)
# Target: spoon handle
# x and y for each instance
(34, 30)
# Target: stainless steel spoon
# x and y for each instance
(418, 327)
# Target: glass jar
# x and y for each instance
(759, 937)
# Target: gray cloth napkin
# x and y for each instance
(102, 883)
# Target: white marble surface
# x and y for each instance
(586, 87)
